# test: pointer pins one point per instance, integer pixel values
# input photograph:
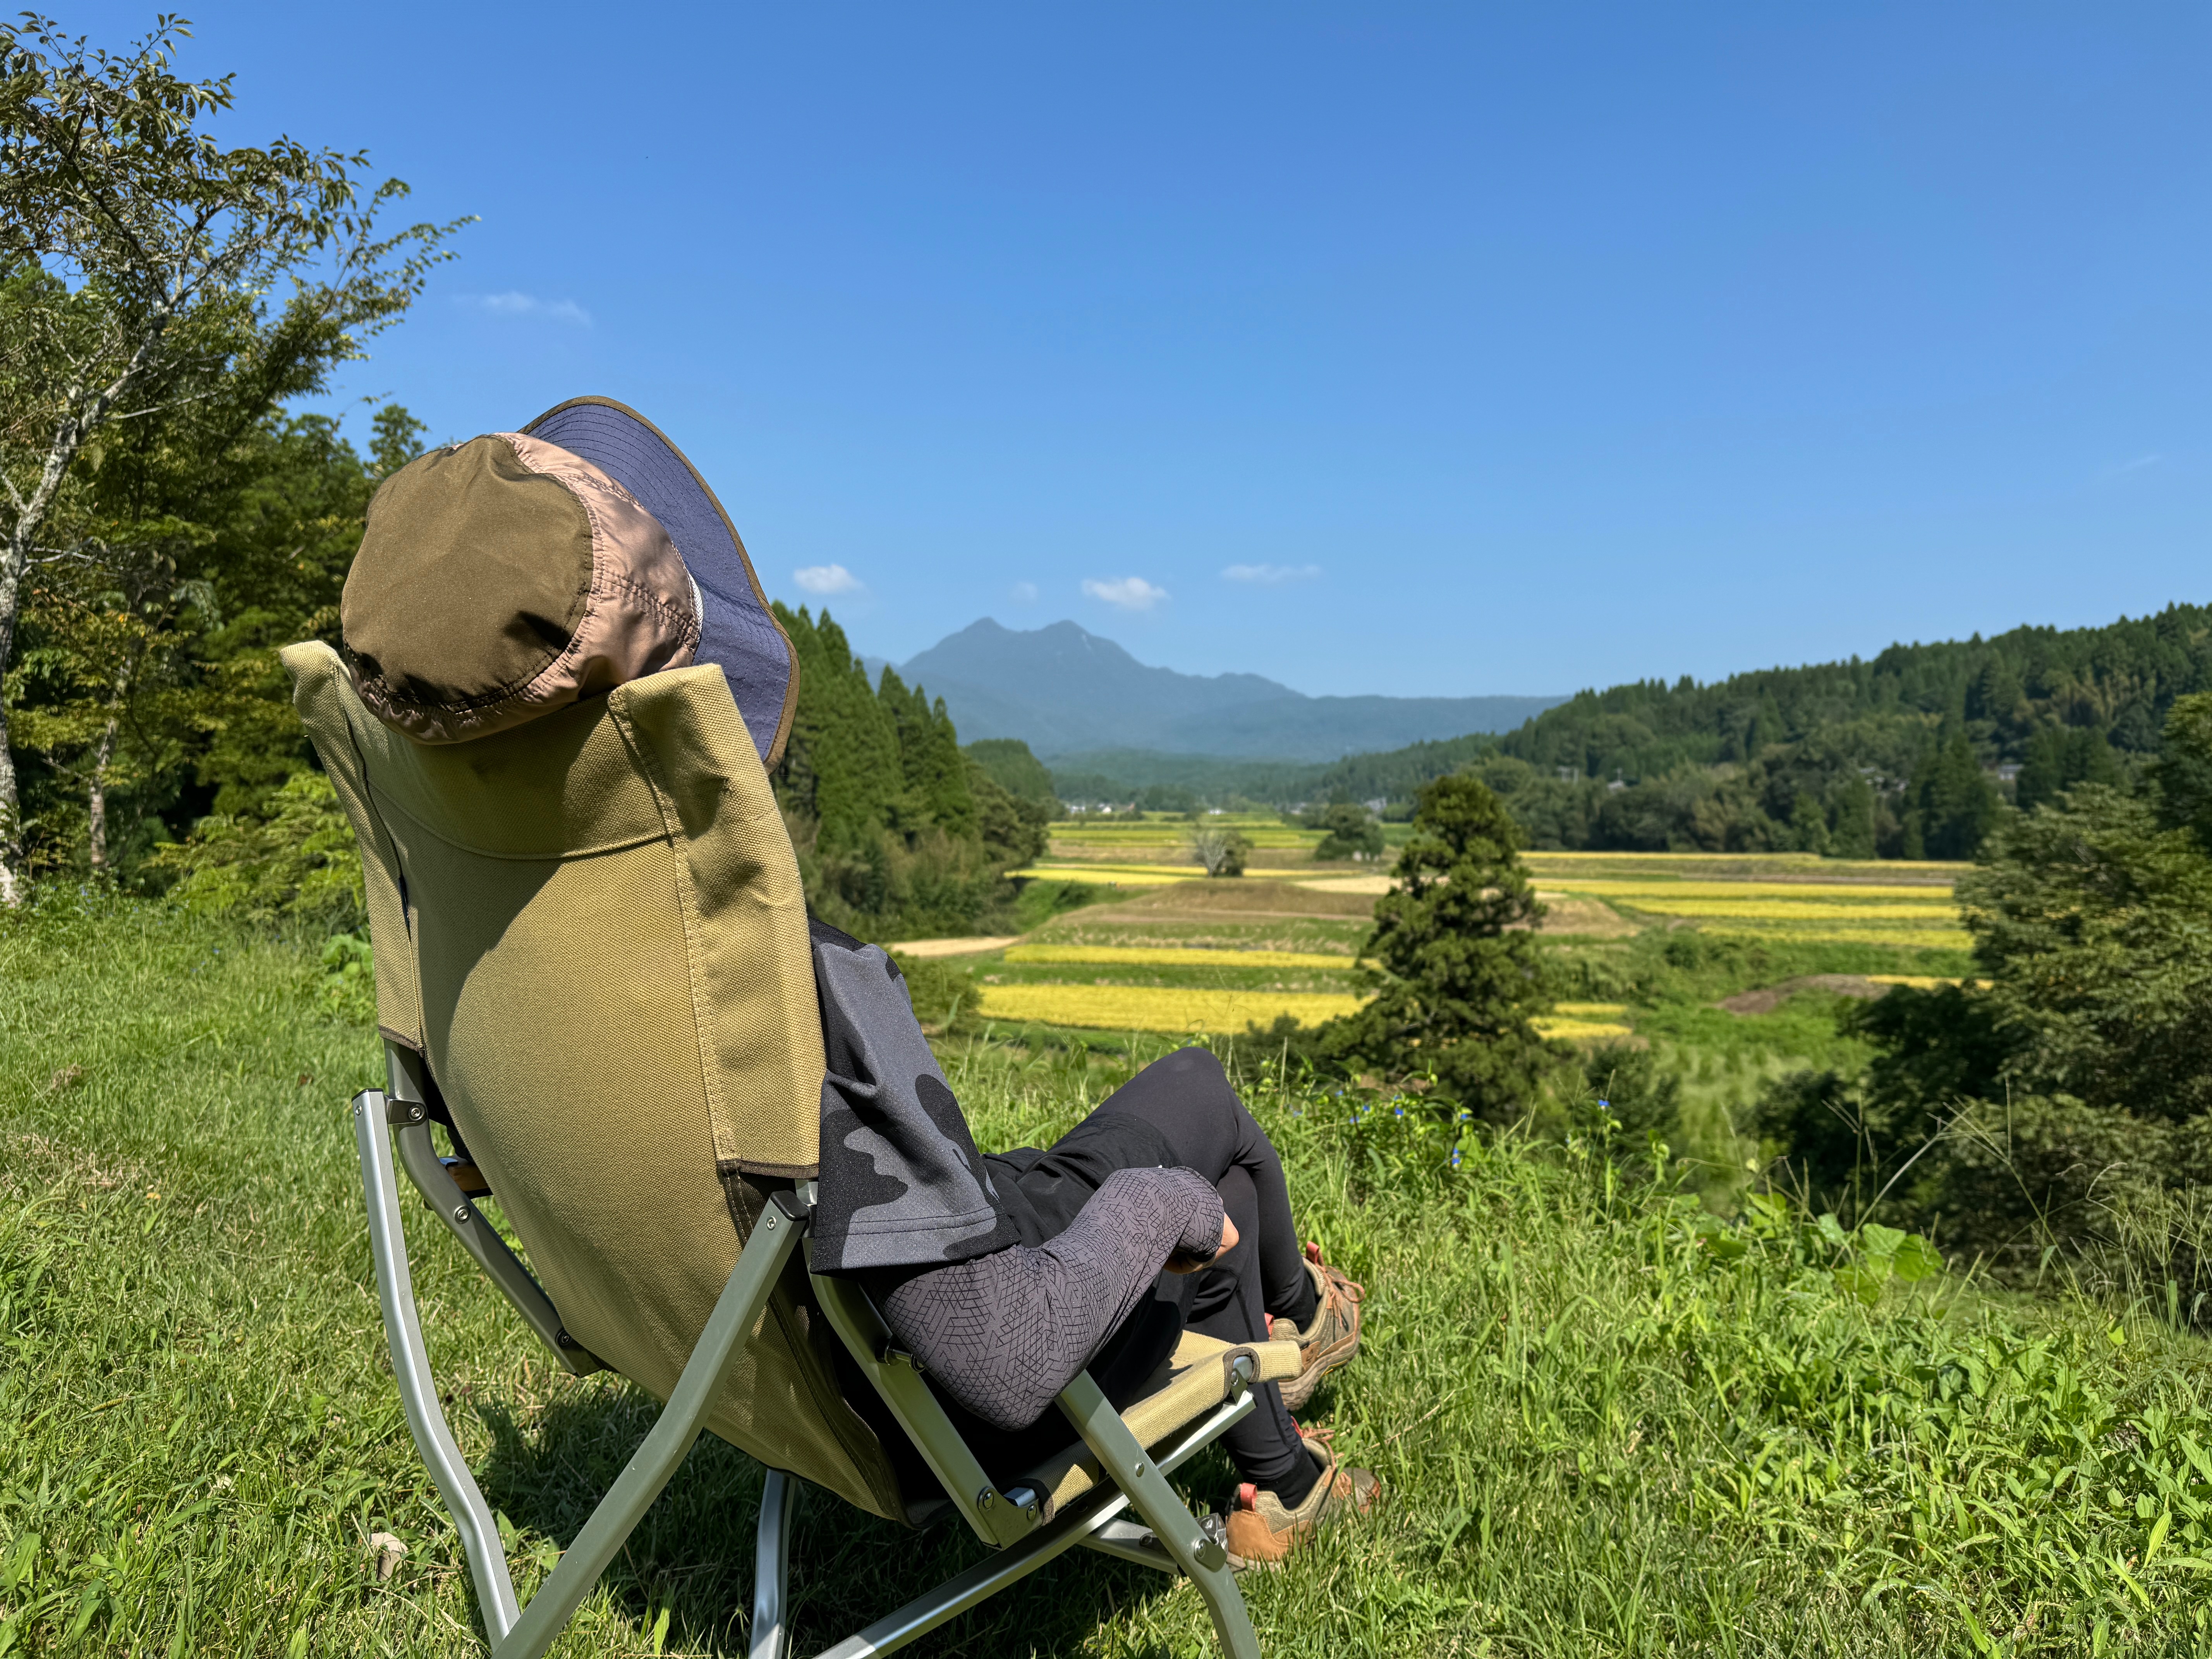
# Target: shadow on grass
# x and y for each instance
(692, 1554)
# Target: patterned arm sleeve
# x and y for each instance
(1004, 1333)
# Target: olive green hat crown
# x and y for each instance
(501, 579)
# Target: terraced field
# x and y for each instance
(1786, 899)
(1171, 951)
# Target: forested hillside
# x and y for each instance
(898, 831)
(1906, 754)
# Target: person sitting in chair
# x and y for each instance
(1057, 1255)
(529, 560)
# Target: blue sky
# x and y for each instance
(1423, 351)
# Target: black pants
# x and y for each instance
(1181, 1110)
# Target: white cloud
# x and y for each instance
(514, 303)
(827, 579)
(1270, 576)
(2135, 466)
(1126, 593)
(1025, 593)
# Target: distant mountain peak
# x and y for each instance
(1062, 688)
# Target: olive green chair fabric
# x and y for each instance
(592, 926)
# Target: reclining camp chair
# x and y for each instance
(592, 964)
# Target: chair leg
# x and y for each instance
(528, 1633)
(411, 1367)
(772, 1569)
(1086, 1407)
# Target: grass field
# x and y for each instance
(1608, 1424)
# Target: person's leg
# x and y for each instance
(1181, 1110)
(1225, 1304)
(1187, 1098)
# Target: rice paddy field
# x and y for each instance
(1729, 970)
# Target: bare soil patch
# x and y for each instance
(1768, 999)
(1243, 895)
(1591, 917)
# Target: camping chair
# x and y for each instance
(592, 967)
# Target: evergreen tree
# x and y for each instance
(1015, 770)
(841, 767)
(2182, 775)
(899, 835)
(2090, 759)
(1950, 805)
(1461, 974)
(930, 762)
(2043, 773)
(1352, 832)
(1851, 804)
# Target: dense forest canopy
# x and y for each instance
(1905, 754)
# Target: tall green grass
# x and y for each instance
(1607, 1424)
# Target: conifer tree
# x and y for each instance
(1461, 975)
(841, 766)
(1950, 805)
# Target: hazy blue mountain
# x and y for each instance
(1062, 690)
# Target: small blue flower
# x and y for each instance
(1606, 1104)
(1398, 1111)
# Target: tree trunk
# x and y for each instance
(95, 798)
(12, 557)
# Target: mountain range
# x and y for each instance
(1063, 690)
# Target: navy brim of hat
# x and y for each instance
(737, 632)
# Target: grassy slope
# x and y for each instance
(1599, 1438)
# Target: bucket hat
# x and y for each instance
(738, 632)
(503, 578)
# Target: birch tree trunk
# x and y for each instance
(95, 798)
(12, 558)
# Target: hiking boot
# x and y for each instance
(1333, 1337)
(1261, 1532)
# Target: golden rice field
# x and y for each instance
(1133, 956)
(1106, 875)
(1584, 1022)
(1779, 899)
(1581, 1031)
(1787, 909)
(1149, 1008)
(1647, 861)
(1634, 890)
(1913, 938)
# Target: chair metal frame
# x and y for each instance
(1170, 1539)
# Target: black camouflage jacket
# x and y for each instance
(901, 1184)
